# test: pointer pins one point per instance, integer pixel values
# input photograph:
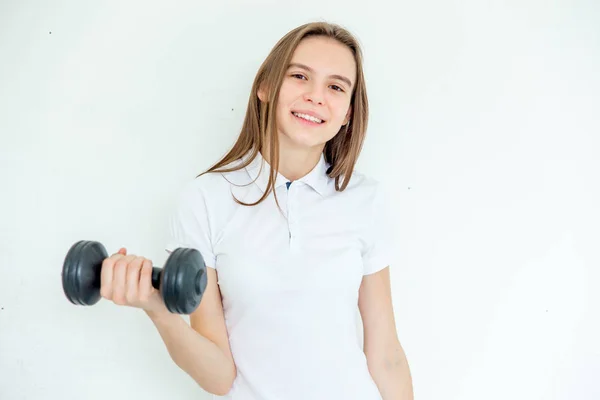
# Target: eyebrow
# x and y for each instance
(309, 69)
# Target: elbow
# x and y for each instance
(386, 358)
(223, 386)
(221, 389)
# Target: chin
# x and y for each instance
(305, 139)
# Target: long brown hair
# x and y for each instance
(259, 126)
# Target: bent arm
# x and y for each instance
(201, 349)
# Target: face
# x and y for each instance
(314, 100)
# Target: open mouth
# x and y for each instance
(309, 119)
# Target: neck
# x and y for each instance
(294, 162)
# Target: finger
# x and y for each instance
(120, 278)
(106, 276)
(145, 285)
(133, 280)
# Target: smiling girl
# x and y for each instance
(295, 240)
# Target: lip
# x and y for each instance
(311, 113)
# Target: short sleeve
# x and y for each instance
(378, 251)
(189, 223)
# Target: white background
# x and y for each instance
(485, 129)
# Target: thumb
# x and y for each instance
(123, 251)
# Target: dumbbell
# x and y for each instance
(181, 282)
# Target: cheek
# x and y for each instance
(286, 98)
(339, 108)
(288, 92)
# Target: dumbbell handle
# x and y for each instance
(156, 271)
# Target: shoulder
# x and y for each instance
(363, 181)
(212, 195)
(362, 186)
(205, 202)
(360, 197)
(215, 185)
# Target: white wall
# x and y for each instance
(485, 129)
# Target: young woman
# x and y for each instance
(294, 240)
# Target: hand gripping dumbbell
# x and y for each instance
(181, 282)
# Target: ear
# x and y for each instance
(262, 92)
(348, 115)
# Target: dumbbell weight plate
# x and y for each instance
(82, 285)
(183, 280)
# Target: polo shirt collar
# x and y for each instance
(317, 178)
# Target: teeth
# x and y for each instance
(308, 117)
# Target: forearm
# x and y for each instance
(199, 357)
(391, 374)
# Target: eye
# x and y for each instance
(337, 88)
(299, 75)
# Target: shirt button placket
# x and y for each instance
(290, 216)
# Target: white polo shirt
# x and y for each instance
(289, 281)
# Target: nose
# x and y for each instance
(314, 94)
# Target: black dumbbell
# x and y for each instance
(181, 282)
